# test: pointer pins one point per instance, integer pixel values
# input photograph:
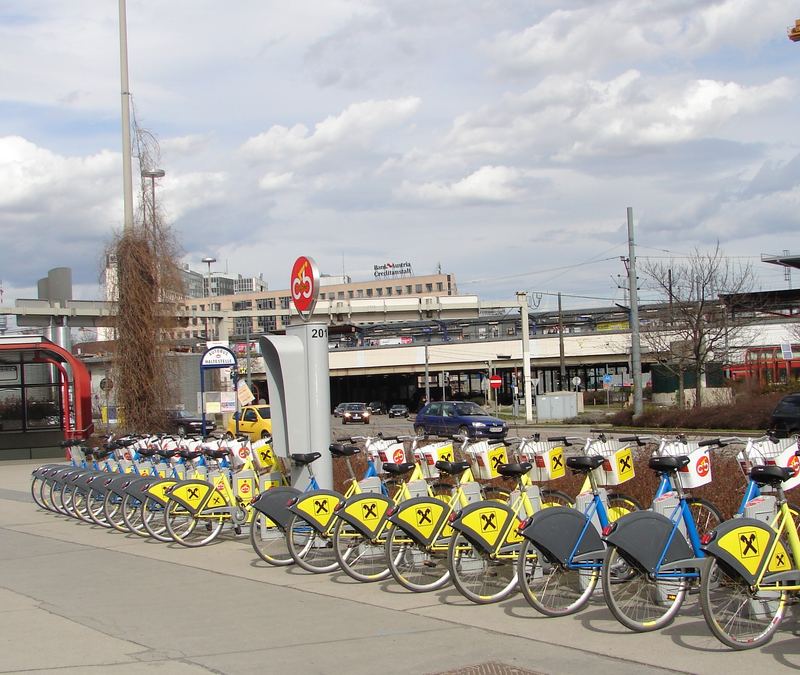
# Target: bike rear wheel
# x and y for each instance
(620, 504)
(706, 516)
(191, 530)
(310, 549)
(358, 556)
(556, 498)
(639, 601)
(152, 514)
(94, 507)
(739, 617)
(112, 509)
(478, 577)
(415, 567)
(269, 541)
(551, 587)
(36, 492)
(132, 515)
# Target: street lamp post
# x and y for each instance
(208, 260)
(152, 174)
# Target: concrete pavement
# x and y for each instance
(77, 598)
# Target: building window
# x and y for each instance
(408, 289)
(379, 292)
(360, 293)
(429, 288)
(388, 290)
(418, 288)
(285, 299)
(399, 290)
(439, 286)
(349, 294)
(369, 292)
(340, 295)
(321, 296)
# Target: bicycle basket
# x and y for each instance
(485, 459)
(775, 452)
(428, 455)
(547, 459)
(698, 471)
(617, 467)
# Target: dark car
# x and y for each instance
(339, 409)
(398, 410)
(445, 418)
(786, 416)
(355, 412)
(186, 424)
(376, 408)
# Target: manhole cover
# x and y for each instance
(490, 668)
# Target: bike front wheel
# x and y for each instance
(556, 498)
(415, 567)
(112, 510)
(739, 616)
(269, 541)
(620, 504)
(551, 587)
(310, 549)
(706, 516)
(478, 577)
(640, 602)
(359, 557)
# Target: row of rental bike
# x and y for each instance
(482, 516)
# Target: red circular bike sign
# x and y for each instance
(703, 466)
(304, 286)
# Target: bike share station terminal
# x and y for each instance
(298, 379)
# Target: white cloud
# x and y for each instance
(357, 125)
(487, 184)
(275, 181)
(588, 38)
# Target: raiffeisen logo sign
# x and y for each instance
(393, 269)
(304, 286)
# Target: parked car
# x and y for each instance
(339, 409)
(398, 410)
(445, 418)
(254, 421)
(376, 408)
(185, 423)
(355, 412)
(786, 416)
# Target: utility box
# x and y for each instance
(559, 405)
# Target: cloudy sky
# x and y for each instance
(500, 139)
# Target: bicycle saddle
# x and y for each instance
(397, 469)
(452, 468)
(217, 454)
(147, 452)
(668, 464)
(768, 474)
(514, 470)
(584, 463)
(341, 450)
(306, 458)
(189, 454)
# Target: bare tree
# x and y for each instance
(696, 324)
(148, 288)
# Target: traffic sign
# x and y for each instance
(495, 381)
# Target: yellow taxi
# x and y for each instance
(254, 421)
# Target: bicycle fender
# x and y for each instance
(272, 503)
(114, 484)
(483, 523)
(191, 494)
(643, 535)
(366, 512)
(556, 530)
(743, 543)
(158, 489)
(421, 518)
(316, 508)
(138, 488)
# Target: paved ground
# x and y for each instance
(78, 599)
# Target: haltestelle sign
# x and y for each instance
(218, 357)
(304, 286)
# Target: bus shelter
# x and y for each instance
(45, 397)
